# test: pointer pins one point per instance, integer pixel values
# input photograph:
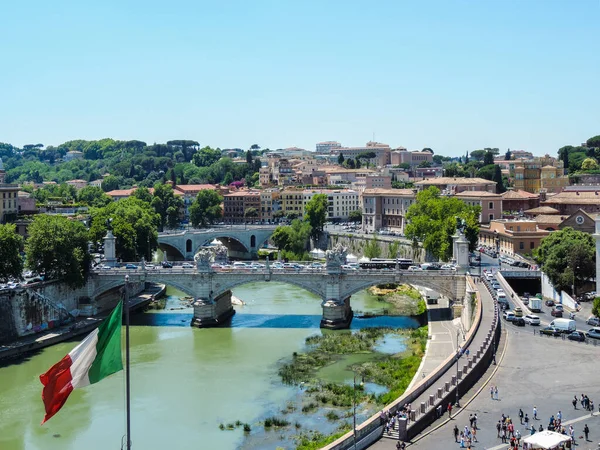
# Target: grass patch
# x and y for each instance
(275, 422)
(314, 440)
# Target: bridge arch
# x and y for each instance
(173, 253)
(106, 286)
(434, 285)
(231, 242)
(289, 280)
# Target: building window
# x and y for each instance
(531, 245)
(521, 245)
(491, 205)
(491, 217)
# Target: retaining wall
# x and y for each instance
(372, 429)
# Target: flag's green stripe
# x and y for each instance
(108, 348)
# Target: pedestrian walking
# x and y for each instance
(498, 428)
(475, 421)
(559, 415)
(521, 415)
(455, 433)
(450, 410)
(526, 420)
(586, 431)
(535, 413)
(518, 437)
(474, 434)
(574, 402)
(496, 392)
(492, 392)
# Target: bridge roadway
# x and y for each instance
(211, 289)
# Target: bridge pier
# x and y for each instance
(336, 315)
(213, 313)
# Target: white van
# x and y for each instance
(564, 325)
(502, 298)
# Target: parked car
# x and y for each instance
(166, 265)
(576, 336)
(525, 300)
(556, 313)
(532, 319)
(130, 266)
(187, 266)
(518, 321)
(549, 302)
(593, 333)
(550, 331)
(593, 321)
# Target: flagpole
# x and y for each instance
(127, 391)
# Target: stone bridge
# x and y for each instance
(241, 241)
(212, 289)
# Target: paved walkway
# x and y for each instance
(389, 441)
(534, 371)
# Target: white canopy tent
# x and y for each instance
(364, 259)
(317, 253)
(350, 258)
(545, 440)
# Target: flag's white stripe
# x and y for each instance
(82, 358)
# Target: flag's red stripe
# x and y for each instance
(57, 386)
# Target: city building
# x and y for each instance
(539, 173)
(386, 208)
(26, 203)
(490, 204)
(269, 205)
(338, 175)
(374, 181)
(340, 202)
(292, 202)
(428, 172)
(242, 207)
(189, 192)
(516, 201)
(70, 156)
(327, 146)
(77, 184)
(571, 201)
(581, 221)
(415, 158)
(454, 185)
(512, 237)
(9, 206)
(381, 151)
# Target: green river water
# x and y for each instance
(186, 381)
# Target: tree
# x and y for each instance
(143, 193)
(593, 142)
(427, 149)
(487, 172)
(508, 155)
(567, 256)
(315, 213)
(432, 220)
(589, 164)
(372, 249)
(350, 163)
(367, 156)
(250, 213)
(110, 183)
(11, 244)
(355, 216)
(206, 156)
(58, 248)
(478, 155)
(134, 224)
(576, 160)
(255, 147)
(500, 188)
(249, 158)
(93, 196)
(596, 307)
(488, 158)
(167, 205)
(292, 238)
(424, 164)
(341, 159)
(393, 248)
(206, 208)
(228, 179)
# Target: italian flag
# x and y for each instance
(98, 356)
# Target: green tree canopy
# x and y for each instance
(167, 205)
(206, 156)
(11, 244)
(143, 193)
(315, 213)
(372, 249)
(589, 164)
(292, 238)
(488, 157)
(93, 196)
(432, 220)
(593, 141)
(355, 216)
(341, 158)
(565, 256)
(110, 183)
(58, 248)
(206, 208)
(134, 224)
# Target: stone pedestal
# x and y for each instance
(336, 315)
(402, 427)
(461, 246)
(110, 249)
(213, 313)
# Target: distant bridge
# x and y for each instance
(241, 241)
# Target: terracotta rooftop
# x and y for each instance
(518, 195)
(381, 191)
(575, 198)
(451, 180)
(193, 187)
(542, 210)
(554, 219)
(476, 194)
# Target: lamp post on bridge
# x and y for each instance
(354, 406)
(458, 354)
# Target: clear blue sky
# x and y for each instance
(450, 75)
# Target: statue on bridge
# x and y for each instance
(204, 258)
(336, 257)
(461, 225)
(221, 255)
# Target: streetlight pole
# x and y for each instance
(127, 379)
(457, 357)
(354, 408)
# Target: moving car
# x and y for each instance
(532, 319)
(550, 331)
(518, 312)
(130, 266)
(166, 265)
(549, 302)
(518, 321)
(576, 336)
(593, 333)
(187, 265)
(593, 321)
(509, 316)
(556, 313)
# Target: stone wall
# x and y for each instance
(356, 245)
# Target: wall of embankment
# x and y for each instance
(356, 245)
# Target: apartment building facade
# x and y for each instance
(512, 237)
(455, 185)
(242, 207)
(490, 204)
(386, 208)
